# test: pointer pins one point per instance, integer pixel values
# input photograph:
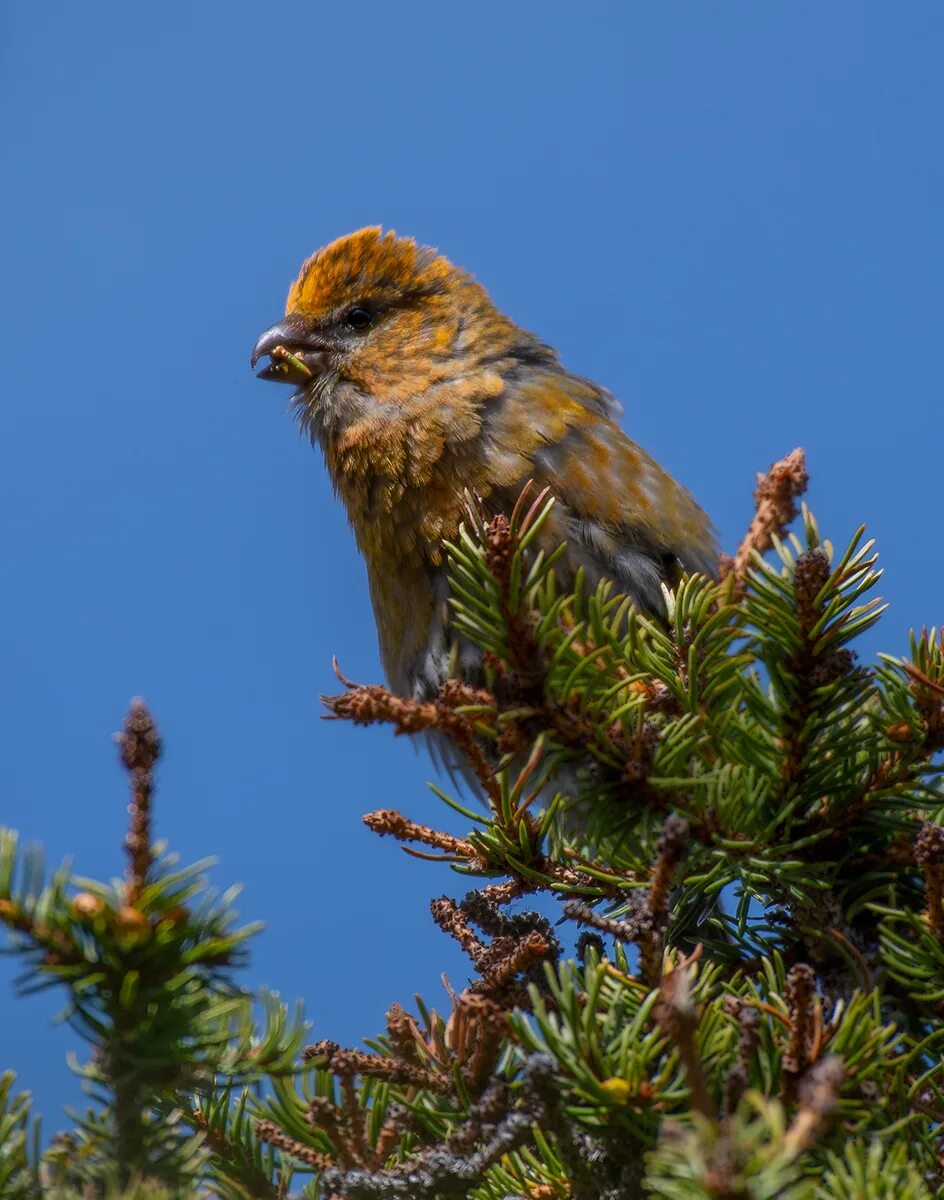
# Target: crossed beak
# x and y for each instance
(295, 354)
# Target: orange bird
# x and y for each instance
(416, 387)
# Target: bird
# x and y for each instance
(420, 391)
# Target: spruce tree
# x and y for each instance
(742, 826)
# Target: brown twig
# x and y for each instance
(739, 1076)
(624, 929)
(348, 1063)
(504, 893)
(800, 994)
(678, 1018)
(670, 850)
(404, 1034)
(268, 1131)
(775, 500)
(354, 1116)
(501, 540)
(388, 822)
(323, 1116)
(140, 750)
(365, 704)
(500, 960)
(503, 962)
(819, 1096)
(475, 1031)
(472, 1038)
(390, 1133)
(452, 920)
(929, 856)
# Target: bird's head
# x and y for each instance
(378, 316)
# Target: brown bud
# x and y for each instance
(86, 907)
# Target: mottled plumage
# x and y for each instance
(419, 388)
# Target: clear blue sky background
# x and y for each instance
(729, 213)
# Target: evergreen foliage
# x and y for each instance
(744, 828)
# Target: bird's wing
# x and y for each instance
(623, 517)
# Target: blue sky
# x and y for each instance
(730, 214)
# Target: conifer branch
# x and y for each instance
(727, 778)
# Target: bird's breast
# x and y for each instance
(401, 473)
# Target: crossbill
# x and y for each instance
(417, 388)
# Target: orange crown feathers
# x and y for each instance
(369, 263)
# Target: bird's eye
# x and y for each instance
(358, 318)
